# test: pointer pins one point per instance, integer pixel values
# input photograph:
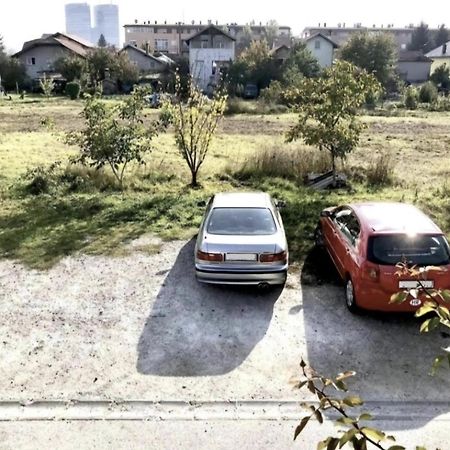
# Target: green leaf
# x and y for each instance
(430, 325)
(347, 437)
(318, 415)
(436, 363)
(340, 386)
(373, 433)
(323, 444)
(425, 309)
(399, 297)
(333, 443)
(365, 416)
(311, 386)
(396, 447)
(302, 364)
(445, 294)
(345, 421)
(344, 375)
(300, 427)
(353, 400)
(419, 447)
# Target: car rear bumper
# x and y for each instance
(241, 277)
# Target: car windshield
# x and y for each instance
(241, 221)
(419, 249)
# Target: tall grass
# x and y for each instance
(289, 162)
(380, 171)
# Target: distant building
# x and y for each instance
(341, 34)
(145, 61)
(106, 22)
(171, 38)
(322, 48)
(413, 66)
(39, 55)
(211, 52)
(78, 20)
(440, 56)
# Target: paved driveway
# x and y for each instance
(137, 338)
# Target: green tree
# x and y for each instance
(47, 86)
(327, 108)
(71, 67)
(255, 64)
(12, 71)
(195, 121)
(442, 36)
(102, 41)
(374, 53)
(114, 135)
(300, 61)
(441, 77)
(421, 39)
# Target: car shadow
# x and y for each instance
(197, 330)
(392, 359)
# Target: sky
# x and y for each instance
(22, 20)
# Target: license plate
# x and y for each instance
(240, 257)
(427, 284)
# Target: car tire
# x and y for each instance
(350, 298)
(318, 237)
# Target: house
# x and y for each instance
(39, 55)
(413, 66)
(322, 48)
(170, 38)
(145, 61)
(211, 52)
(281, 53)
(440, 56)
(341, 34)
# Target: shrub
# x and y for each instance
(273, 93)
(428, 93)
(41, 179)
(411, 97)
(73, 89)
(380, 171)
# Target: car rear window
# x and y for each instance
(241, 221)
(419, 249)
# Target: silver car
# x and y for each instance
(241, 241)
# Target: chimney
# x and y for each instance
(444, 49)
(135, 21)
(324, 24)
(147, 46)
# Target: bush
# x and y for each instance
(73, 90)
(411, 97)
(40, 180)
(428, 93)
(237, 106)
(380, 171)
(290, 163)
(273, 93)
(441, 104)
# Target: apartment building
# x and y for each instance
(171, 37)
(341, 34)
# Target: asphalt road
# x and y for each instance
(133, 353)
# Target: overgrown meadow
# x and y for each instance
(402, 156)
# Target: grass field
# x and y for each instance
(39, 230)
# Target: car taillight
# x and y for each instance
(273, 257)
(209, 256)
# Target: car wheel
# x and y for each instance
(318, 237)
(350, 299)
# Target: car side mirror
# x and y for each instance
(326, 213)
(280, 204)
(201, 204)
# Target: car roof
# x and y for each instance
(392, 217)
(242, 200)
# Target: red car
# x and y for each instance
(366, 241)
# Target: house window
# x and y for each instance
(317, 44)
(162, 45)
(31, 61)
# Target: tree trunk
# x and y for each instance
(333, 163)
(194, 182)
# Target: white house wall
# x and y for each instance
(201, 62)
(44, 57)
(324, 54)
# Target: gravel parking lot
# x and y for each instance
(140, 328)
